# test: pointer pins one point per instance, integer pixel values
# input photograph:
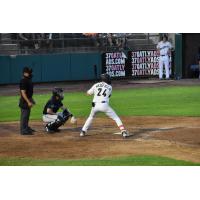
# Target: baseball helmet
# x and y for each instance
(105, 78)
(58, 92)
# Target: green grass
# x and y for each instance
(163, 101)
(120, 161)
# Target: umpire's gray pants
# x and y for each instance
(25, 113)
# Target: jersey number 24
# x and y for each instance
(100, 92)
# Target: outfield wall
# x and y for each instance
(50, 67)
(80, 66)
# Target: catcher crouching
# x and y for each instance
(51, 117)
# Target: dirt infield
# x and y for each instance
(175, 137)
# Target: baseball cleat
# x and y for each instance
(27, 133)
(31, 130)
(82, 133)
(125, 134)
(48, 130)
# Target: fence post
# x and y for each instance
(178, 55)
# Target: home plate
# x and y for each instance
(118, 133)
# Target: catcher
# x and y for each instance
(50, 116)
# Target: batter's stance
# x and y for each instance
(102, 92)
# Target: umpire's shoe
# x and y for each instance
(82, 133)
(125, 134)
(31, 130)
(27, 132)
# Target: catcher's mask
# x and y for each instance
(58, 92)
(106, 78)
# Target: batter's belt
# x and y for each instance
(94, 103)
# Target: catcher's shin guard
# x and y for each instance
(66, 115)
(61, 119)
(53, 126)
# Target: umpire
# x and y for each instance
(26, 101)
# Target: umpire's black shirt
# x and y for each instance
(53, 104)
(27, 85)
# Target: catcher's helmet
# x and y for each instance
(106, 78)
(58, 92)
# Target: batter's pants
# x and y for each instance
(105, 108)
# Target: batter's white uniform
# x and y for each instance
(164, 48)
(102, 92)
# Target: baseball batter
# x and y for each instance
(164, 48)
(102, 92)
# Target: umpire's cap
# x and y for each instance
(106, 78)
(27, 70)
